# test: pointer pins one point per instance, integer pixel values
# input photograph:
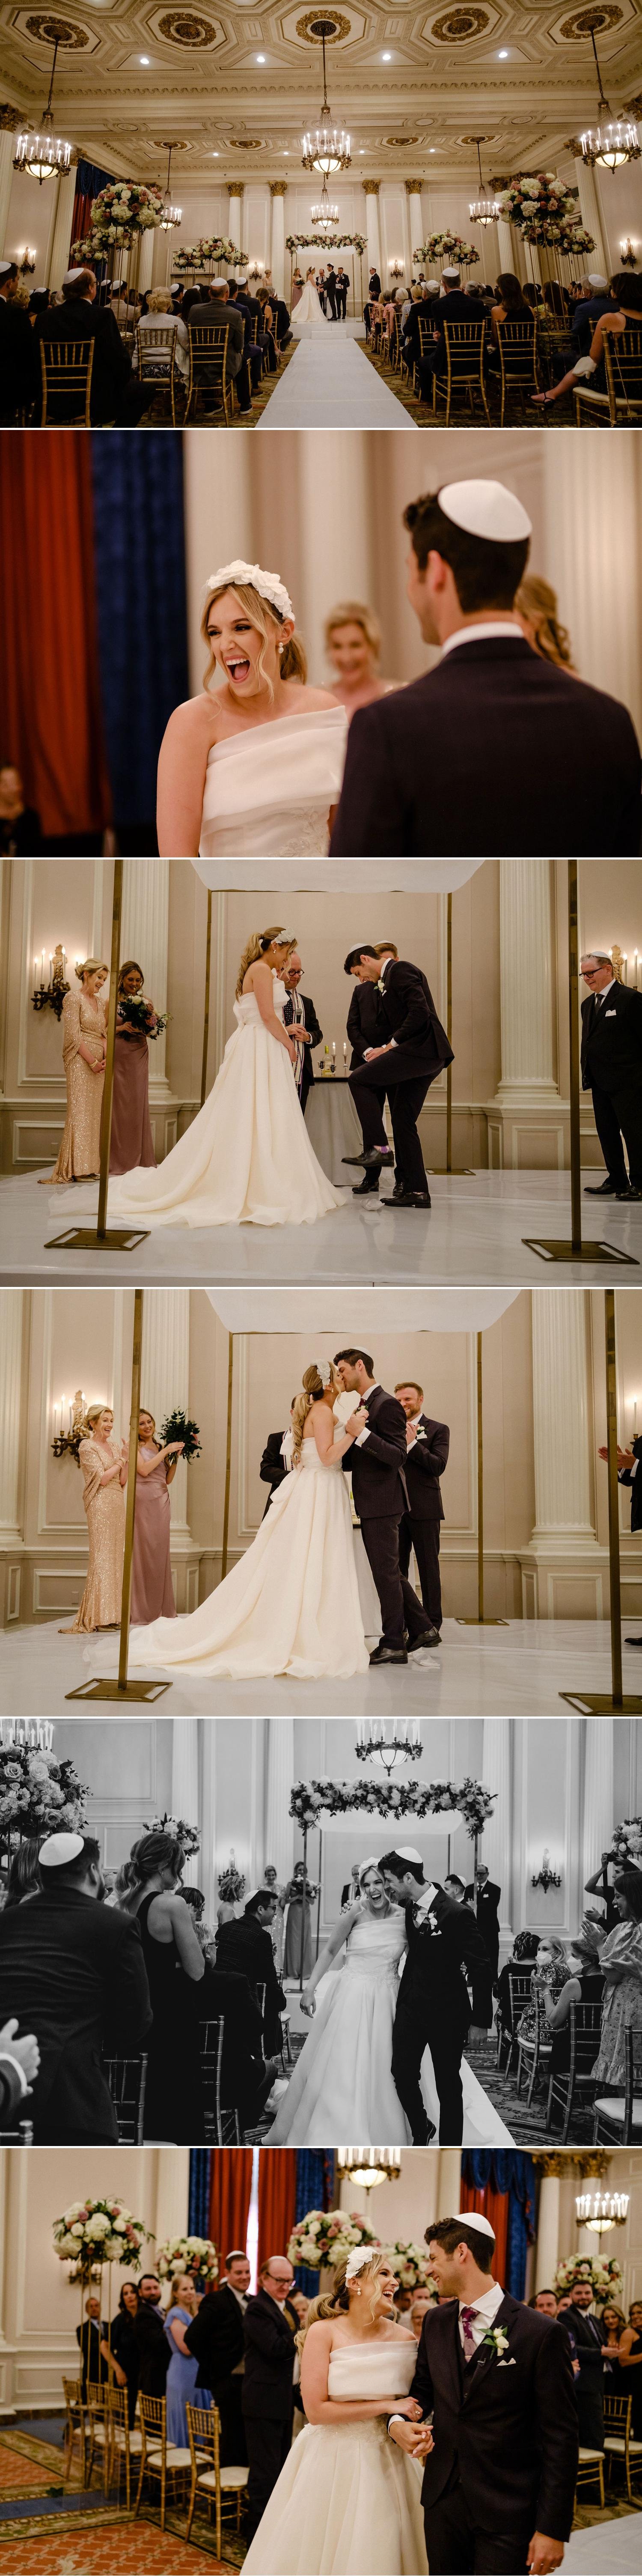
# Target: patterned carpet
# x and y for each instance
(121, 2549)
(463, 417)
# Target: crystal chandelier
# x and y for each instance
(45, 153)
(606, 2209)
(369, 2165)
(388, 1740)
(171, 215)
(326, 150)
(486, 209)
(35, 1734)
(613, 143)
(325, 216)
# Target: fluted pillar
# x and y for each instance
(144, 934)
(7, 149)
(496, 1842)
(371, 194)
(599, 598)
(449, 2185)
(10, 1389)
(598, 1819)
(561, 1416)
(61, 239)
(548, 2232)
(526, 982)
(506, 248)
(591, 213)
(278, 190)
(172, 2194)
(236, 211)
(185, 1784)
(279, 1828)
(146, 259)
(165, 1374)
(413, 193)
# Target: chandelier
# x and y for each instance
(369, 2165)
(486, 209)
(45, 153)
(34, 1734)
(606, 2209)
(613, 143)
(326, 150)
(171, 215)
(325, 216)
(388, 1740)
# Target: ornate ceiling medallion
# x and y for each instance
(312, 27)
(589, 22)
(57, 31)
(458, 25)
(181, 28)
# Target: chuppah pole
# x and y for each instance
(573, 1249)
(89, 1238)
(121, 1688)
(319, 1895)
(305, 1882)
(465, 1174)
(206, 1022)
(228, 1459)
(481, 1620)
(600, 1703)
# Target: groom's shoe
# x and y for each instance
(368, 1188)
(374, 1160)
(426, 1637)
(384, 1654)
(411, 1198)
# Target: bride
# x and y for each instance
(252, 769)
(247, 1157)
(309, 311)
(344, 2072)
(348, 2500)
(291, 1604)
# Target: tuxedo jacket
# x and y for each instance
(416, 780)
(270, 2355)
(365, 1025)
(635, 1482)
(425, 1463)
(244, 1946)
(74, 1973)
(510, 2433)
(216, 2336)
(272, 1469)
(310, 1022)
(378, 1470)
(456, 307)
(153, 2350)
(408, 1015)
(212, 311)
(612, 1040)
(586, 2341)
(442, 1949)
(374, 283)
(487, 1917)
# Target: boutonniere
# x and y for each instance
(498, 2338)
(419, 1435)
(381, 986)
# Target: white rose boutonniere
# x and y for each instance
(381, 986)
(498, 2338)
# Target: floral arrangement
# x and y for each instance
(136, 1010)
(410, 2262)
(82, 251)
(326, 2236)
(448, 246)
(231, 1885)
(186, 1835)
(213, 246)
(39, 1795)
(179, 1427)
(195, 2255)
(392, 1799)
(576, 237)
(602, 2271)
(124, 207)
(98, 2231)
(331, 241)
(627, 1843)
(544, 198)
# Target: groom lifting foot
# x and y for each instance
(376, 1460)
(411, 1049)
(433, 2009)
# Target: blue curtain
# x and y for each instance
(199, 2191)
(507, 2169)
(89, 180)
(315, 2181)
(139, 554)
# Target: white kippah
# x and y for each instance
(59, 1849)
(450, 272)
(406, 1851)
(473, 2218)
(6, 265)
(72, 274)
(594, 279)
(485, 510)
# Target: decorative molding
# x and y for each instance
(371, 187)
(586, 2161)
(413, 187)
(235, 186)
(279, 187)
(10, 119)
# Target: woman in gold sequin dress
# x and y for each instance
(104, 1466)
(83, 1055)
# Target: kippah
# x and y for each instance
(485, 510)
(72, 274)
(59, 1849)
(406, 1851)
(473, 2218)
(450, 272)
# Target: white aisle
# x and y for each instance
(330, 384)
(614, 2546)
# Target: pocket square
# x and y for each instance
(610, 1015)
(507, 2365)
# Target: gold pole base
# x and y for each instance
(85, 1238)
(114, 1690)
(482, 1623)
(452, 1172)
(550, 1249)
(602, 1704)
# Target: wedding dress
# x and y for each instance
(268, 791)
(290, 1605)
(347, 2502)
(247, 1157)
(344, 2073)
(309, 311)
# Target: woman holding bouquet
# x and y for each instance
(132, 1142)
(152, 1590)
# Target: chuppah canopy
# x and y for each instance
(364, 1311)
(339, 876)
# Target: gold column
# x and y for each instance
(552, 1247)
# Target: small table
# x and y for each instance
(333, 1126)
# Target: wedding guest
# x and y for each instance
(453, 306)
(548, 1978)
(152, 1595)
(20, 834)
(183, 2367)
(151, 2339)
(94, 2349)
(84, 1027)
(621, 1967)
(73, 1971)
(123, 2346)
(278, 1927)
(612, 2323)
(601, 1885)
(592, 302)
(268, 2390)
(625, 305)
(537, 608)
(273, 1465)
(175, 1968)
(422, 2301)
(114, 398)
(25, 1878)
(342, 285)
(629, 2383)
(131, 1140)
(216, 2336)
(20, 363)
(585, 2338)
(523, 1956)
(160, 301)
(297, 1898)
(247, 1946)
(19, 2063)
(402, 2300)
(299, 1015)
(546, 2302)
(352, 638)
(511, 305)
(454, 1887)
(611, 1063)
(426, 1461)
(486, 1904)
(584, 1985)
(104, 1467)
(297, 288)
(214, 308)
(577, 746)
(246, 2077)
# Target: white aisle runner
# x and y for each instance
(329, 384)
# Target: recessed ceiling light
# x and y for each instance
(215, 156)
(260, 58)
(433, 147)
(144, 58)
(503, 57)
(386, 58)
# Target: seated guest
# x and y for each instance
(246, 2076)
(246, 1946)
(94, 2349)
(584, 1985)
(255, 350)
(537, 609)
(113, 395)
(214, 308)
(151, 2340)
(549, 1976)
(624, 306)
(73, 1970)
(20, 836)
(523, 1955)
(249, 305)
(453, 306)
(122, 2347)
(19, 358)
(216, 2336)
(273, 1465)
(157, 304)
(592, 302)
(511, 306)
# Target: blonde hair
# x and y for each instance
(336, 2302)
(537, 600)
(160, 300)
(92, 1416)
(313, 1389)
(267, 621)
(256, 947)
(174, 2301)
(352, 612)
(92, 966)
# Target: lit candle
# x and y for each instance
(625, 968)
(42, 969)
(635, 1417)
(50, 967)
(635, 970)
(333, 1056)
(36, 968)
(71, 1415)
(64, 959)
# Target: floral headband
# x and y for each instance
(268, 584)
(324, 1371)
(361, 2254)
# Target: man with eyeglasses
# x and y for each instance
(612, 1072)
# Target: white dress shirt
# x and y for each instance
(371, 1390)
(421, 1904)
(485, 2308)
(480, 630)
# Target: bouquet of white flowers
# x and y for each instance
(410, 2262)
(98, 2231)
(601, 2270)
(195, 2255)
(326, 2235)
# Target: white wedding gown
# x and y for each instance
(291, 1605)
(348, 2501)
(247, 1157)
(342, 2082)
(308, 314)
(268, 791)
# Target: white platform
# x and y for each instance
(330, 384)
(516, 1671)
(606, 2549)
(472, 1235)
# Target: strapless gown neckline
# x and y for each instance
(268, 790)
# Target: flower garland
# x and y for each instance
(627, 1843)
(212, 246)
(39, 1795)
(332, 241)
(98, 2231)
(448, 246)
(410, 2262)
(195, 2255)
(603, 2272)
(326, 2236)
(187, 1835)
(392, 1799)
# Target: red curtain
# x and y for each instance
(230, 2189)
(277, 2200)
(49, 682)
(81, 216)
(493, 2205)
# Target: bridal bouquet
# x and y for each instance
(179, 1427)
(542, 198)
(39, 1795)
(602, 2270)
(195, 2255)
(410, 2262)
(627, 1843)
(98, 2231)
(326, 2236)
(135, 1009)
(186, 1835)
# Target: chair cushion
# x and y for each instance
(588, 2455)
(235, 2479)
(174, 2458)
(615, 2442)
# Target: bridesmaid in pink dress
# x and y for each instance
(132, 1142)
(152, 1589)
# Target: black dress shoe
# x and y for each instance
(628, 1193)
(373, 1160)
(384, 1654)
(633, 1641)
(634, 1191)
(367, 1188)
(607, 1189)
(411, 1198)
(427, 1637)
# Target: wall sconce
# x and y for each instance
(256, 268)
(395, 268)
(628, 255)
(546, 1877)
(27, 262)
(68, 1418)
(51, 996)
(35, 1733)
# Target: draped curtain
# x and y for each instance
(500, 2182)
(89, 181)
(198, 2222)
(277, 2200)
(229, 2196)
(142, 613)
(315, 2189)
(50, 725)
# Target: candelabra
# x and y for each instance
(27, 263)
(326, 150)
(255, 268)
(546, 1877)
(51, 996)
(375, 1744)
(46, 154)
(172, 215)
(606, 2209)
(67, 1438)
(628, 255)
(614, 142)
(34, 1734)
(395, 268)
(486, 209)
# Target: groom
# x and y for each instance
(501, 2463)
(433, 2008)
(377, 1461)
(410, 1049)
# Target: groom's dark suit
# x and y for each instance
(421, 1049)
(505, 2458)
(378, 1470)
(433, 2011)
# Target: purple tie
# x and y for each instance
(465, 2318)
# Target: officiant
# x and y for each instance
(612, 1072)
(299, 1015)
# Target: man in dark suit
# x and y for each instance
(487, 1915)
(268, 2392)
(412, 1049)
(246, 1945)
(214, 308)
(331, 291)
(342, 293)
(363, 1027)
(376, 1461)
(149, 2330)
(257, 350)
(374, 282)
(428, 1444)
(444, 1948)
(90, 2335)
(585, 2340)
(612, 1072)
(299, 1015)
(628, 1473)
(453, 306)
(416, 779)
(73, 1970)
(115, 394)
(273, 1466)
(589, 310)
(217, 2338)
(19, 355)
(501, 2456)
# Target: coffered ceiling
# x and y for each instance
(234, 87)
